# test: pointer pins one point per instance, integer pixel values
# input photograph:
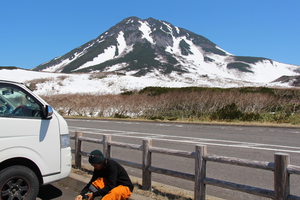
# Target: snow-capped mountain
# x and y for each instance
(137, 53)
(157, 49)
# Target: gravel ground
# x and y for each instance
(158, 191)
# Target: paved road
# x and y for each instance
(255, 143)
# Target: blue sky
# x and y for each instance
(35, 31)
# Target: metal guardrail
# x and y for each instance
(281, 167)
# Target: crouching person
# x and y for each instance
(109, 181)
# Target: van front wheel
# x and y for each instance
(18, 182)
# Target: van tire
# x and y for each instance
(18, 181)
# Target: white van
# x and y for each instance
(34, 143)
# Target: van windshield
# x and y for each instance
(15, 102)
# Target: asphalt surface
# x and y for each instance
(257, 143)
(56, 191)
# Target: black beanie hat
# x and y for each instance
(96, 156)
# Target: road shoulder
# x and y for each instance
(79, 178)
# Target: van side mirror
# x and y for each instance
(48, 111)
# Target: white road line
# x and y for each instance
(191, 140)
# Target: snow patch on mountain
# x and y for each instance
(109, 53)
(55, 68)
(146, 30)
(268, 71)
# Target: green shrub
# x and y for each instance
(159, 117)
(263, 90)
(117, 115)
(281, 117)
(127, 93)
(251, 117)
(228, 112)
(172, 118)
(294, 119)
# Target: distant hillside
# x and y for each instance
(9, 67)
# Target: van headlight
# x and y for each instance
(64, 141)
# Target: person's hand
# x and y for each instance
(79, 197)
(90, 195)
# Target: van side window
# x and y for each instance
(15, 102)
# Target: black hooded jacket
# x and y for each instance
(115, 175)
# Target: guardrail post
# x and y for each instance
(106, 146)
(78, 134)
(200, 172)
(146, 177)
(281, 176)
